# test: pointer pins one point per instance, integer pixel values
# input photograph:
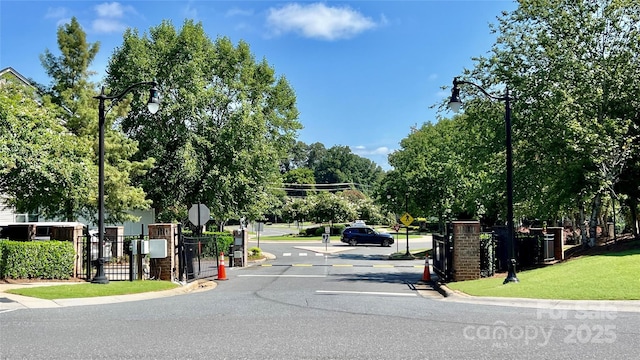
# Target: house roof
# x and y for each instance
(17, 75)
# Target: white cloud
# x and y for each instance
(110, 10)
(318, 21)
(363, 151)
(108, 17)
(190, 12)
(107, 26)
(56, 13)
(238, 12)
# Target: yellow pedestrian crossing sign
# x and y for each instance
(406, 219)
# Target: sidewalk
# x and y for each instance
(10, 302)
(555, 304)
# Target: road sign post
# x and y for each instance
(199, 215)
(407, 219)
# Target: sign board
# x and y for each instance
(327, 230)
(258, 226)
(199, 214)
(406, 219)
(396, 227)
(325, 238)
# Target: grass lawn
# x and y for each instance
(609, 276)
(85, 290)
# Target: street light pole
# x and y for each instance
(454, 104)
(406, 209)
(153, 106)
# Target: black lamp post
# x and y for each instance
(454, 104)
(406, 209)
(153, 104)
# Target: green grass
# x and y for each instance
(611, 276)
(85, 290)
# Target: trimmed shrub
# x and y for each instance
(255, 251)
(223, 241)
(36, 259)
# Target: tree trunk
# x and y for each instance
(583, 228)
(633, 208)
(593, 221)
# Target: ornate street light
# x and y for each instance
(454, 104)
(153, 105)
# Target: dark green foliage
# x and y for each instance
(36, 260)
(222, 239)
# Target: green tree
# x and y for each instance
(340, 165)
(299, 181)
(43, 167)
(72, 90)
(573, 69)
(328, 207)
(226, 120)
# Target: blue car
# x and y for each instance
(365, 235)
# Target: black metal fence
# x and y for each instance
(488, 245)
(530, 250)
(198, 257)
(117, 256)
(443, 256)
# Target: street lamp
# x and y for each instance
(153, 105)
(454, 104)
(406, 209)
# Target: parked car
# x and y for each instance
(355, 235)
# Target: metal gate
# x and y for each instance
(443, 256)
(116, 251)
(487, 254)
(198, 257)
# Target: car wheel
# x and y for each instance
(385, 243)
(353, 242)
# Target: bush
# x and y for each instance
(222, 240)
(36, 259)
(255, 251)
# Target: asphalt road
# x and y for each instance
(347, 303)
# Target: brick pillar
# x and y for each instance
(558, 241)
(165, 268)
(466, 250)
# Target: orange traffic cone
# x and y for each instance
(222, 273)
(426, 275)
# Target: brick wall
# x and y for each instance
(165, 268)
(466, 250)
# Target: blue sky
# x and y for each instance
(364, 72)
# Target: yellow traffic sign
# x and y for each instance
(406, 219)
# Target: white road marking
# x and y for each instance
(320, 254)
(286, 254)
(363, 293)
(302, 254)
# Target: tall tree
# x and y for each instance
(225, 122)
(43, 167)
(573, 69)
(74, 92)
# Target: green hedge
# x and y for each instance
(36, 259)
(223, 239)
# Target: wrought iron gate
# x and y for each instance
(443, 256)
(198, 257)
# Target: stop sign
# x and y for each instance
(199, 214)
